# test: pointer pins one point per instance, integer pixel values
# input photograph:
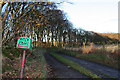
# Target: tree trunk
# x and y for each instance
(52, 38)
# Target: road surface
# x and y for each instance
(98, 69)
(63, 71)
(60, 70)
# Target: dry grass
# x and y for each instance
(104, 54)
(92, 48)
(88, 49)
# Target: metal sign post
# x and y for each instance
(22, 66)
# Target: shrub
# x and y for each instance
(11, 52)
(89, 49)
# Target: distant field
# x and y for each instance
(111, 49)
(111, 35)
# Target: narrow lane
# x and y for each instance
(61, 70)
(95, 68)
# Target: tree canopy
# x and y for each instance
(44, 23)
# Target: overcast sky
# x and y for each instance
(93, 15)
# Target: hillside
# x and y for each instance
(111, 35)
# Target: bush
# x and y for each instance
(11, 52)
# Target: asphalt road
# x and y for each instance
(98, 69)
(60, 70)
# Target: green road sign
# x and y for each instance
(24, 43)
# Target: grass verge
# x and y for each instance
(103, 59)
(35, 65)
(75, 66)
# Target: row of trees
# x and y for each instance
(43, 23)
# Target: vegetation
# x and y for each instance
(35, 66)
(10, 68)
(75, 65)
(47, 26)
(111, 35)
(107, 56)
(11, 52)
